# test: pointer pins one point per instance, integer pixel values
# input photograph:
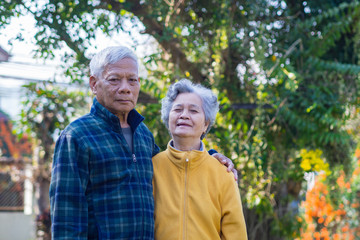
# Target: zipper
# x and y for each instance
(142, 199)
(185, 193)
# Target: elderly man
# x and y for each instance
(101, 185)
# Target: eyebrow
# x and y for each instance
(191, 105)
(122, 74)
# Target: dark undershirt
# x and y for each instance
(128, 137)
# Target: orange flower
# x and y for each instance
(355, 205)
(324, 233)
(348, 236)
(356, 172)
(357, 153)
(336, 236)
(345, 229)
(326, 223)
(307, 236)
(340, 181)
(320, 211)
(311, 227)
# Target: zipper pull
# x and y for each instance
(134, 158)
(187, 160)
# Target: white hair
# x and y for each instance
(109, 55)
(209, 101)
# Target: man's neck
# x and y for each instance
(123, 120)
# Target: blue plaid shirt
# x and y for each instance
(100, 189)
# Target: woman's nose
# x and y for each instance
(184, 114)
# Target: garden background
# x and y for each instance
(286, 74)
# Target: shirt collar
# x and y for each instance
(134, 118)
(202, 147)
(181, 159)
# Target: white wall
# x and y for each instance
(16, 226)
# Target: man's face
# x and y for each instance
(118, 87)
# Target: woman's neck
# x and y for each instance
(185, 144)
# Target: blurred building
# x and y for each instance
(4, 56)
(16, 188)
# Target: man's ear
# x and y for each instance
(92, 83)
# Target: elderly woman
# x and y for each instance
(195, 198)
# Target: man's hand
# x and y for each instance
(227, 162)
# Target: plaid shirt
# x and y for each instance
(100, 189)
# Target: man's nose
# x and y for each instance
(124, 86)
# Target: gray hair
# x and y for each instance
(209, 101)
(109, 55)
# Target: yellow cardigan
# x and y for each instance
(195, 198)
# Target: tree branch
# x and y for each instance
(145, 13)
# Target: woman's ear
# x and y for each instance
(206, 126)
(92, 84)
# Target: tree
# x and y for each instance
(46, 110)
(333, 210)
(294, 63)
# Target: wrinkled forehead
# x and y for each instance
(188, 99)
(190, 105)
(125, 66)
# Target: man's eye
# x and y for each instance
(132, 79)
(193, 111)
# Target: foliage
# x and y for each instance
(10, 146)
(286, 73)
(46, 110)
(15, 151)
(332, 208)
(311, 161)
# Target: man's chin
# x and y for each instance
(120, 111)
(125, 110)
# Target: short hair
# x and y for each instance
(209, 101)
(109, 55)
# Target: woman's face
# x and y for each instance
(187, 117)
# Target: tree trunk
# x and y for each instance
(43, 222)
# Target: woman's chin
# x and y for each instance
(185, 135)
